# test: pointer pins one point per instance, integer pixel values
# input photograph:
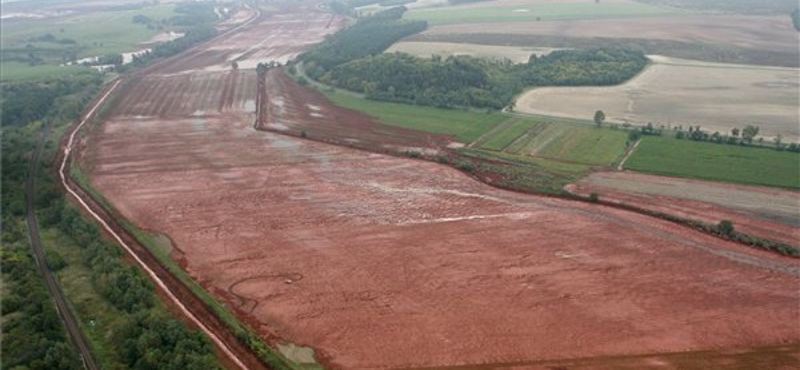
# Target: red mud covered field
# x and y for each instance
(764, 212)
(384, 262)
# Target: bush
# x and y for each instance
(465, 166)
(54, 261)
(725, 227)
(594, 198)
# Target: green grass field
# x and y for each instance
(587, 145)
(716, 162)
(466, 14)
(15, 71)
(94, 34)
(501, 140)
(97, 33)
(465, 126)
(98, 318)
(557, 139)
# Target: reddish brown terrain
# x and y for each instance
(293, 109)
(764, 212)
(384, 262)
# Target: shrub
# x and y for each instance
(725, 227)
(465, 166)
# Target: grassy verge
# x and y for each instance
(93, 33)
(267, 354)
(716, 162)
(464, 125)
(16, 71)
(98, 319)
(523, 173)
(561, 140)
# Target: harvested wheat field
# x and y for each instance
(674, 92)
(767, 33)
(445, 49)
(765, 212)
(377, 261)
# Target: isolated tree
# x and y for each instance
(749, 133)
(599, 117)
(735, 132)
(725, 227)
(777, 141)
(235, 65)
(512, 105)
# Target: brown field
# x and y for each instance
(764, 212)
(293, 109)
(384, 262)
(673, 92)
(273, 36)
(768, 33)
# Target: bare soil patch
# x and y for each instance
(300, 111)
(769, 33)
(762, 40)
(764, 212)
(278, 35)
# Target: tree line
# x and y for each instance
(144, 336)
(57, 97)
(370, 35)
(353, 59)
(464, 81)
(347, 7)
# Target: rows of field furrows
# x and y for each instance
(188, 94)
(295, 108)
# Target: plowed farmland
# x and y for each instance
(384, 262)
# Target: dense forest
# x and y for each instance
(61, 98)
(142, 334)
(353, 59)
(369, 36)
(482, 83)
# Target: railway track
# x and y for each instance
(70, 323)
(178, 295)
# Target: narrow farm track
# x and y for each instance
(70, 323)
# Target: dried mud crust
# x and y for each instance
(763, 212)
(407, 263)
